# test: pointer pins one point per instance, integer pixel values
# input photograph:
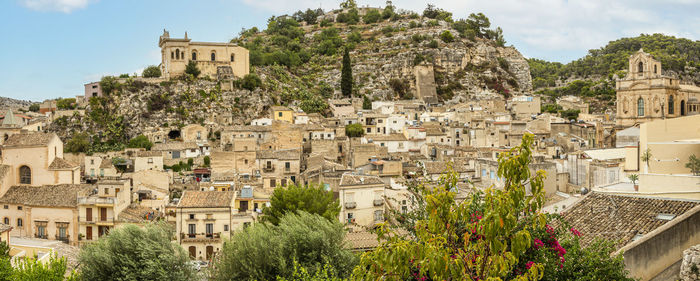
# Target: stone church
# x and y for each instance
(645, 94)
(216, 60)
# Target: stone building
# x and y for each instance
(219, 60)
(204, 218)
(645, 94)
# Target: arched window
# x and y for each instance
(194, 55)
(172, 55)
(654, 69)
(20, 222)
(177, 54)
(640, 107)
(640, 67)
(25, 175)
(213, 56)
(232, 57)
(670, 105)
(6, 220)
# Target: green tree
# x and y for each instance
(266, 252)
(354, 130)
(140, 141)
(68, 103)
(457, 241)
(348, 4)
(34, 107)
(192, 69)
(207, 161)
(135, 253)
(693, 164)
(151, 71)
(109, 85)
(447, 37)
(294, 198)
(31, 269)
(479, 24)
(346, 75)
(372, 16)
(79, 142)
(570, 114)
(366, 103)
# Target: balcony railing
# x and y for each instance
(269, 169)
(378, 202)
(350, 205)
(200, 236)
(64, 239)
(94, 200)
(41, 236)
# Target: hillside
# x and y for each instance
(593, 76)
(296, 62)
(7, 103)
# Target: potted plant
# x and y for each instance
(634, 178)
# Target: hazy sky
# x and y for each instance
(50, 48)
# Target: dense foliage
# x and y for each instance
(693, 164)
(65, 104)
(266, 252)
(79, 142)
(140, 141)
(151, 71)
(346, 75)
(354, 130)
(135, 253)
(30, 269)
(295, 198)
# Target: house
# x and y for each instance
(203, 219)
(99, 210)
(278, 166)
(36, 159)
(148, 160)
(178, 150)
(361, 200)
(45, 212)
(282, 113)
(194, 133)
(98, 167)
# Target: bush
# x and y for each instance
(192, 69)
(372, 16)
(447, 37)
(433, 44)
(207, 161)
(417, 38)
(294, 198)
(366, 103)
(34, 107)
(251, 82)
(354, 37)
(79, 142)
(400, 87)
(65, 104)
(140, 141)
(109, 84)
(151, 71)
(432, 12)
(135, 253)
(354, 130)
(350, 18)
(267, 252)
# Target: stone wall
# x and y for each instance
(690, 265)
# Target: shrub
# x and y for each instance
(372, 16)
(251, 82)
(354, 37)
(192, 69)
(64, 104)
(294, 198)
(354, 130)
(109, 84)
(446, 36)
(140, 141)
(34, 107)
(207, 161)
(433, 44)
(151, 71)
(79, 142)
(366, 103)
(400, 87)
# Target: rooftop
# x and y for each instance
(206, 199)
(65, 195)
(29, 139)
(354, 179)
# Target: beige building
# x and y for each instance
(278, 167)
(100, 209)
(36, 159)
(361, 200)
(282, 113)
(216, 60)
(204, 218)
(45, 212)
(645, 94)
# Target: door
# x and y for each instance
(244, 206)
(210, 252)
(193, 252)
(103, 214)
(88, 232)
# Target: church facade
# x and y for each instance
(645, 94)
(216, 60)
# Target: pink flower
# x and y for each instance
(538, 243)
(529, 264)
(575, 232)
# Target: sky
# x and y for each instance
(50, 48)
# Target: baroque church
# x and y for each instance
(645, 94)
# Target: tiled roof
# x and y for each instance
(61, 164)
(149, 154)
(433, 131)
(353, 179)
(361, 240)
(175, 145)
(5, 227)
(439, 167)
(64, 195)
(106, 163)
(29, 139)
(620, 218)
(390, 137)
(205, 199)
(137, 214)
(280, 108)
(285, 154)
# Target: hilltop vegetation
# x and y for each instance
(594, 75)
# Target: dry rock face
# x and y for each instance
(690, 266)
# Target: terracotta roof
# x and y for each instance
(361, 240)
(390, 137)
(620, 218)
(149, 154)
(353, 179)
(64, 195)
(29, 139)
(61, 164)
(5, 227)
(137, 214)
(176, 145)
(205, 199)
(286, 154)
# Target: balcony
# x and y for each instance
(269, 169)
(86, 220)
(105, 221)
(200, 237)
(378, 202)
(243, 213)
(64, 239)
(350, 205)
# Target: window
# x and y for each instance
(192, 229)
(191, 216)
(670, 104)
(177, 54)
(92, 161)
(194, 55)
(106, 190)
(640, 67)
(41, 231)
(246, 161)
(172, 55)
(283, 182)
(378, 215)
(150, 160)
(273, 183)
(369, 130)
(210, 229)
(269, 164)
(233, 57)
(640, 107)
(279, 114)
(6, 220)
(287, 166)
(225, 227)
(199, 135)
(20, 222)
(19, 208)
(654, 69)
(62, 231)
(213, 56)
(25, 175)
(92, 172)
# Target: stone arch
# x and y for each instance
(174, 134)
(194, 54)
(655, 69)
(640, 67)
(640, 107)
(213, 55)
(25, 175)
(177, 54)
(670, 104)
